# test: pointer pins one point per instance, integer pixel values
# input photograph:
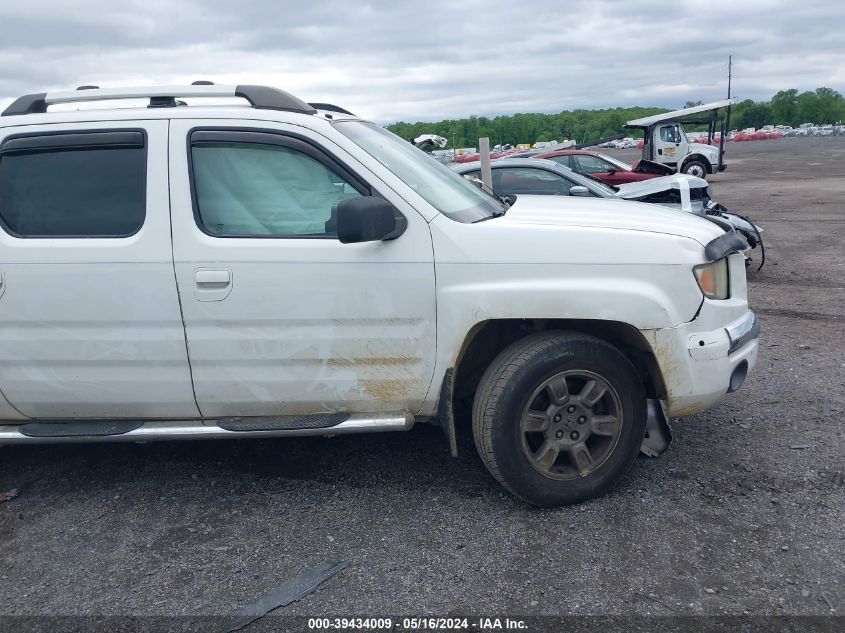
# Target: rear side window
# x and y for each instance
(73, 185)
(519, 180)
(564, 160)
(586, 164)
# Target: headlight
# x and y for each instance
(712, 278)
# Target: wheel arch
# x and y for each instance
(486, 340)
(701, 158)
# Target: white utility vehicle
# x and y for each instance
(271, 269)
(665, 141)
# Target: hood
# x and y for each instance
(707, 150)
(607, 213)
(656, 185)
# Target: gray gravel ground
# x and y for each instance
(734, 519)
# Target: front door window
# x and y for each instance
(264, 190)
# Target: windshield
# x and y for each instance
(438, 185)
(617, 162)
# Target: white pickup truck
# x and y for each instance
(275, 268)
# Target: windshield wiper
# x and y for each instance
(494, 214)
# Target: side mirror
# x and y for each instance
(368, 219)
(611, 170)
(579, 190)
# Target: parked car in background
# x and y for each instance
(606, 168)
(534, 176)
(623, 143)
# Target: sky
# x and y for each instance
(429, 60)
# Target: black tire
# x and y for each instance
(503, 396)
(696, 166)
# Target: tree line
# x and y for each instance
(787, 107)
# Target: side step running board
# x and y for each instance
(82, 428)
(55, 431)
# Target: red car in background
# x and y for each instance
(601, 166)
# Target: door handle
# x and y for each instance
(212, 284)
(206, 277)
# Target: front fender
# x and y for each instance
(556, 265)
(646, 298)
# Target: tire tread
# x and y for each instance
(496, 378)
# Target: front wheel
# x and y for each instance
(559, 417)
(695, 168)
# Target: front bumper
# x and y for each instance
(701, 361)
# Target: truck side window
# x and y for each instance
(256, 189)
(669, 134)
(74, 185)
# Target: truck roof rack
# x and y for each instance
(261, 97)
(680, 115)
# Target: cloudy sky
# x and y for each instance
(431, 59)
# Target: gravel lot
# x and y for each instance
(744, 515)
